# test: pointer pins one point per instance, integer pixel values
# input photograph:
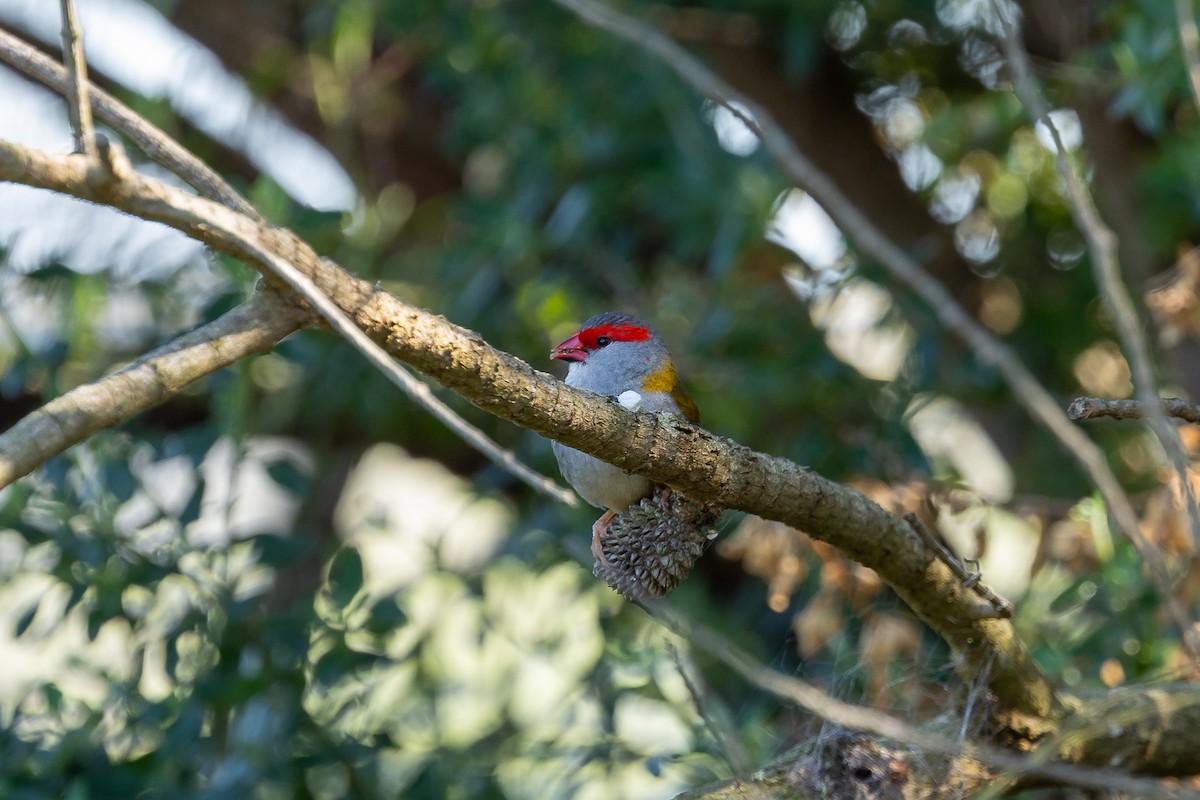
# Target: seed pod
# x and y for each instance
(652, 545)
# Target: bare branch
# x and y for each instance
(1093, 407)
(663, 447)
(157, 146)
(253, 327)
(1189, 41)
(79, 107)
(1037, 401)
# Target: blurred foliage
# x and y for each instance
(199, 605)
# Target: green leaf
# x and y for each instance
(25, 620)
(345, 576)
(278, 550)
(287, 474)
(1075, 596)
(386, 616)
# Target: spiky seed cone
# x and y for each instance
(652, 545)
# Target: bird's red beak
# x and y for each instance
(570, 350)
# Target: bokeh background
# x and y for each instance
(289, 581)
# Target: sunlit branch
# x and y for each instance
(79, 106)
(157, 145)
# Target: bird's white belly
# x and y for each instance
(600, 484)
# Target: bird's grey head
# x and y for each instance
(612, 352)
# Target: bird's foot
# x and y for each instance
(599, 528)
(664, 496)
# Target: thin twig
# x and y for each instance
(157, 145)
(79, 107)
(1189, 40)
(872, 242)
(1000, 606)
(1093, 407)
(253, 327)
(714, 715)
(1102, 248)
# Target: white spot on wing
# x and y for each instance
(631, 400)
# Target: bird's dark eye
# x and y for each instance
(603, 341)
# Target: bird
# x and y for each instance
(619, 356)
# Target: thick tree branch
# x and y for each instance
(664, 448)
(840, 764)
(256, 326)
(1148, 730)
(398, 375)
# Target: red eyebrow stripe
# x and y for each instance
(618, 333)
